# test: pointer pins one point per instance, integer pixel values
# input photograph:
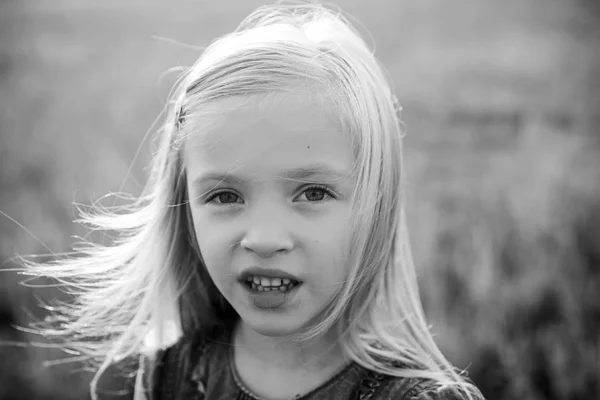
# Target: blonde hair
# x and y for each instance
(151, 286)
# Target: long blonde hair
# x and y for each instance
(150, 286)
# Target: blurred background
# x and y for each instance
(502, 105)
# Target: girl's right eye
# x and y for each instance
(223, 197)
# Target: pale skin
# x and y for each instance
(268, 218)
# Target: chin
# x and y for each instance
(272, 327)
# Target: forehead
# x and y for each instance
(264, 136)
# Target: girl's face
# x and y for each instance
(270, 187)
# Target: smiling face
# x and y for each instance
(270, 186)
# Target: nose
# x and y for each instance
(267, 235)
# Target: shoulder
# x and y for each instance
(430, 391)
(170, 372)
(423, 389)
(189, 347)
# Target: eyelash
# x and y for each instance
(325, 189)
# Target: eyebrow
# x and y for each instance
(321, 171)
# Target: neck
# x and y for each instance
(283, 353)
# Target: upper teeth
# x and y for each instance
(263, 281)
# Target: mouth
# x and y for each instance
(268, 278)
(263, 284)
(271, 295)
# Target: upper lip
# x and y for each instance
(266, 272)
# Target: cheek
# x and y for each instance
(330, 245)
(337, 233)
(212, 244)
(208, 230)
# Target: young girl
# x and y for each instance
(268, 257)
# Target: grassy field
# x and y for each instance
(502, 105)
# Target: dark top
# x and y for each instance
(202, 368)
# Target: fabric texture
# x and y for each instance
(201, 368)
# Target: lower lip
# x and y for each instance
(270, 300)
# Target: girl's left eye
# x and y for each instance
(317, 194)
